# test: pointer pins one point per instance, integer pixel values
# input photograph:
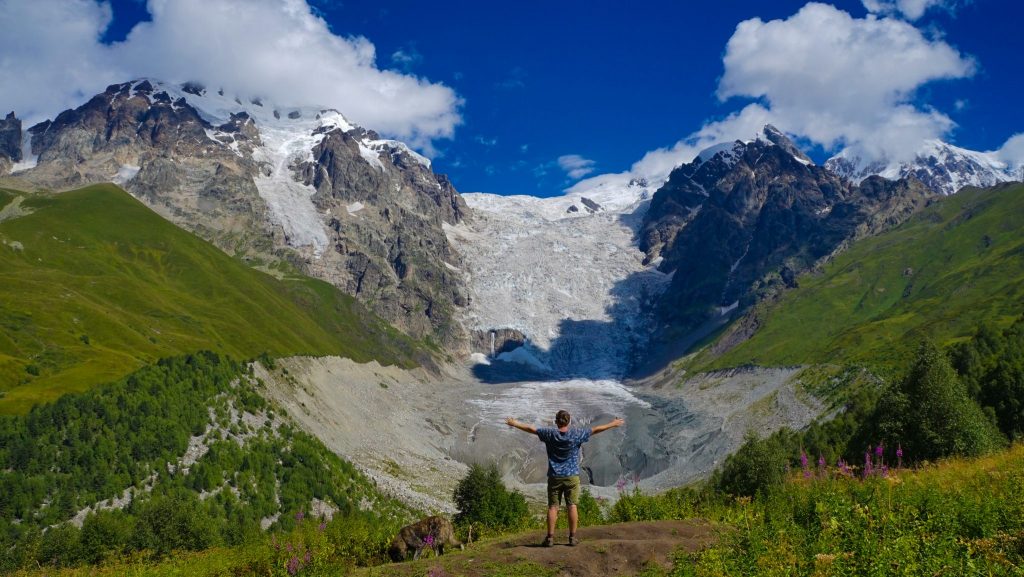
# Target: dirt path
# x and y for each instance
(622, 549)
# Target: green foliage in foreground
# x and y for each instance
(130, 439)
(960, 518)
(956, 265)
(485, 503)
(94, 285)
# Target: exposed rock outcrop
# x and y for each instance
(10, 142)
(742, 220)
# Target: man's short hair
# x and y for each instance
(562, 419)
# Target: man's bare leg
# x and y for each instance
(574, 520)
(552, 519)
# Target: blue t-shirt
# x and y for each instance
(563, 450)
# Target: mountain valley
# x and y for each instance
(398, 322)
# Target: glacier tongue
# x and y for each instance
(573, 283)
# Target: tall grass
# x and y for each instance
(961, 517)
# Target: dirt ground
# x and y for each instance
(623, 549)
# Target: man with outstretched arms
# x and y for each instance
(563, 446)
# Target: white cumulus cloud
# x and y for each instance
(911, 9)
(51, 57)
(279, 50)
(575, 166)
(836, 79)
(1012, 153)
(827, 77)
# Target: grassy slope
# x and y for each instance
(103, 285)
(954, 266)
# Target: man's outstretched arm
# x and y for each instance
(602, 428)
(521, 426)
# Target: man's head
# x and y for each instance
(562, 419)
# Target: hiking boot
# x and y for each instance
(548, 541)
(573, 540)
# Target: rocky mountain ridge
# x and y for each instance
(741, 220)
(268, 184)
(941, 166)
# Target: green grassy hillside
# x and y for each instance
(956, 265)
(185, 454)
(93, 285)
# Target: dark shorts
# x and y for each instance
(567, 488)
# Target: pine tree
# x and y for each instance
(930, 414)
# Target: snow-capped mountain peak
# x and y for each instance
(730, 152)
(941, 166)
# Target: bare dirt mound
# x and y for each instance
(623, 549)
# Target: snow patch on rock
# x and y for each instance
(125, 173)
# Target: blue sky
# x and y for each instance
(610, 80)
(515, 87)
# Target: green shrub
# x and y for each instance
(589, 509)
(103, 535)
(637, 506)
(61, 546)
(485, 502)
(756, 467)
(166, 523)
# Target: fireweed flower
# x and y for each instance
(321, 526)
(300, 516)
(429, 540)
(879, 451)
(293, 566)
(899, 456)
(868, 469)
(620, 484)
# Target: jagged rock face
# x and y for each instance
(386, 229)
(742, 222)
(300, 185)
(10, 142)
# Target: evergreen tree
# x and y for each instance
(929, 413)
(484, 501)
